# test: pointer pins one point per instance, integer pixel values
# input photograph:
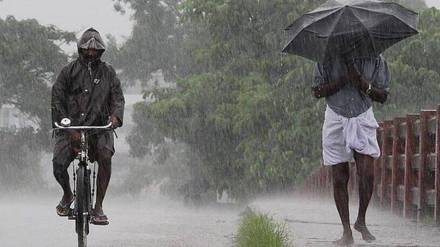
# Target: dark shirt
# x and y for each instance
(88, 96)
(349, 101)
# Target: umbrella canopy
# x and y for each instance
(350, 28)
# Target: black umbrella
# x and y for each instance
(350, 28)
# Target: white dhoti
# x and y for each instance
(341, 136)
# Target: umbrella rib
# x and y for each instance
(314, 21)
(382, 13)
(323, 10)
(305, 28)
(338, 11)
(333, 19)
(334, 25)
(366, 29)
(389, 3)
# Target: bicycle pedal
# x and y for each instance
(71, 215)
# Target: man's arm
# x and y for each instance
(376, 94)
(322, 87)
(117, 101)
(327, 89)
(58, 102)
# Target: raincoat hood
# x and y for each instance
(91, 39)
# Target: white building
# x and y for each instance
(12, 118)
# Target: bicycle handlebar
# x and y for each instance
(82, 127)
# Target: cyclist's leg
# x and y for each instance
(104, 151)
(104, 158)
(62, 158)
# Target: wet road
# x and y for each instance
(314, 222)
(134, 223)
(160, 223)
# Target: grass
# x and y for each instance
(428, 217)
(261, 230)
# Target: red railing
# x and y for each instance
(407, 175)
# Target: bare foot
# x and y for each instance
(98, 210)
(99, 218)
(67, 198)
(63, 207)
(345, 240)
(366, 235)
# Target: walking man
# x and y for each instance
(350, 86)
(87, 92)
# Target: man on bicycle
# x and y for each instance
(88, 92)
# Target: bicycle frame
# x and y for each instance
(82, 129)
(83, 197)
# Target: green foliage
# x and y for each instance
(30, 57)
(414, 70)
(416, 5)
(245, 110)
(242, 109)
(153, 44)
(260, 230)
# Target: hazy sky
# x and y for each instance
(435, 3)
(77, 15)
(71, 15)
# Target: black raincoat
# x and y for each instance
(88, 93)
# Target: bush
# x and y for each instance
(260, 230)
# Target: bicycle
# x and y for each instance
(83, 192)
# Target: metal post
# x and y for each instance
(424, 149)
(437, 169)
(383, 161)
(394, 164)
(408, 174)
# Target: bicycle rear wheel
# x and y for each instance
(82, 205)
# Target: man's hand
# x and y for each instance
(65, 122)
(327, 89)
(355, 78)
(75, 135)
(115, 122)
(353, 74)
(75, 140)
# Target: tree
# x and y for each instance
(246, 111)
(159, 43)
(30, 57)
(417, 5)
(153, 44)
(415, 72)
(229, 111)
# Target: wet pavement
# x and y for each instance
(162, 223)
(134, 223)
(315, 222)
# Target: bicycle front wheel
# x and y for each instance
(82, 205)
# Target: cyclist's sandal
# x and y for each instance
(63, 209)
(99, 219)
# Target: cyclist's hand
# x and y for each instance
(65, 122)
(75, 136)
(75, 140)
(115, 122)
